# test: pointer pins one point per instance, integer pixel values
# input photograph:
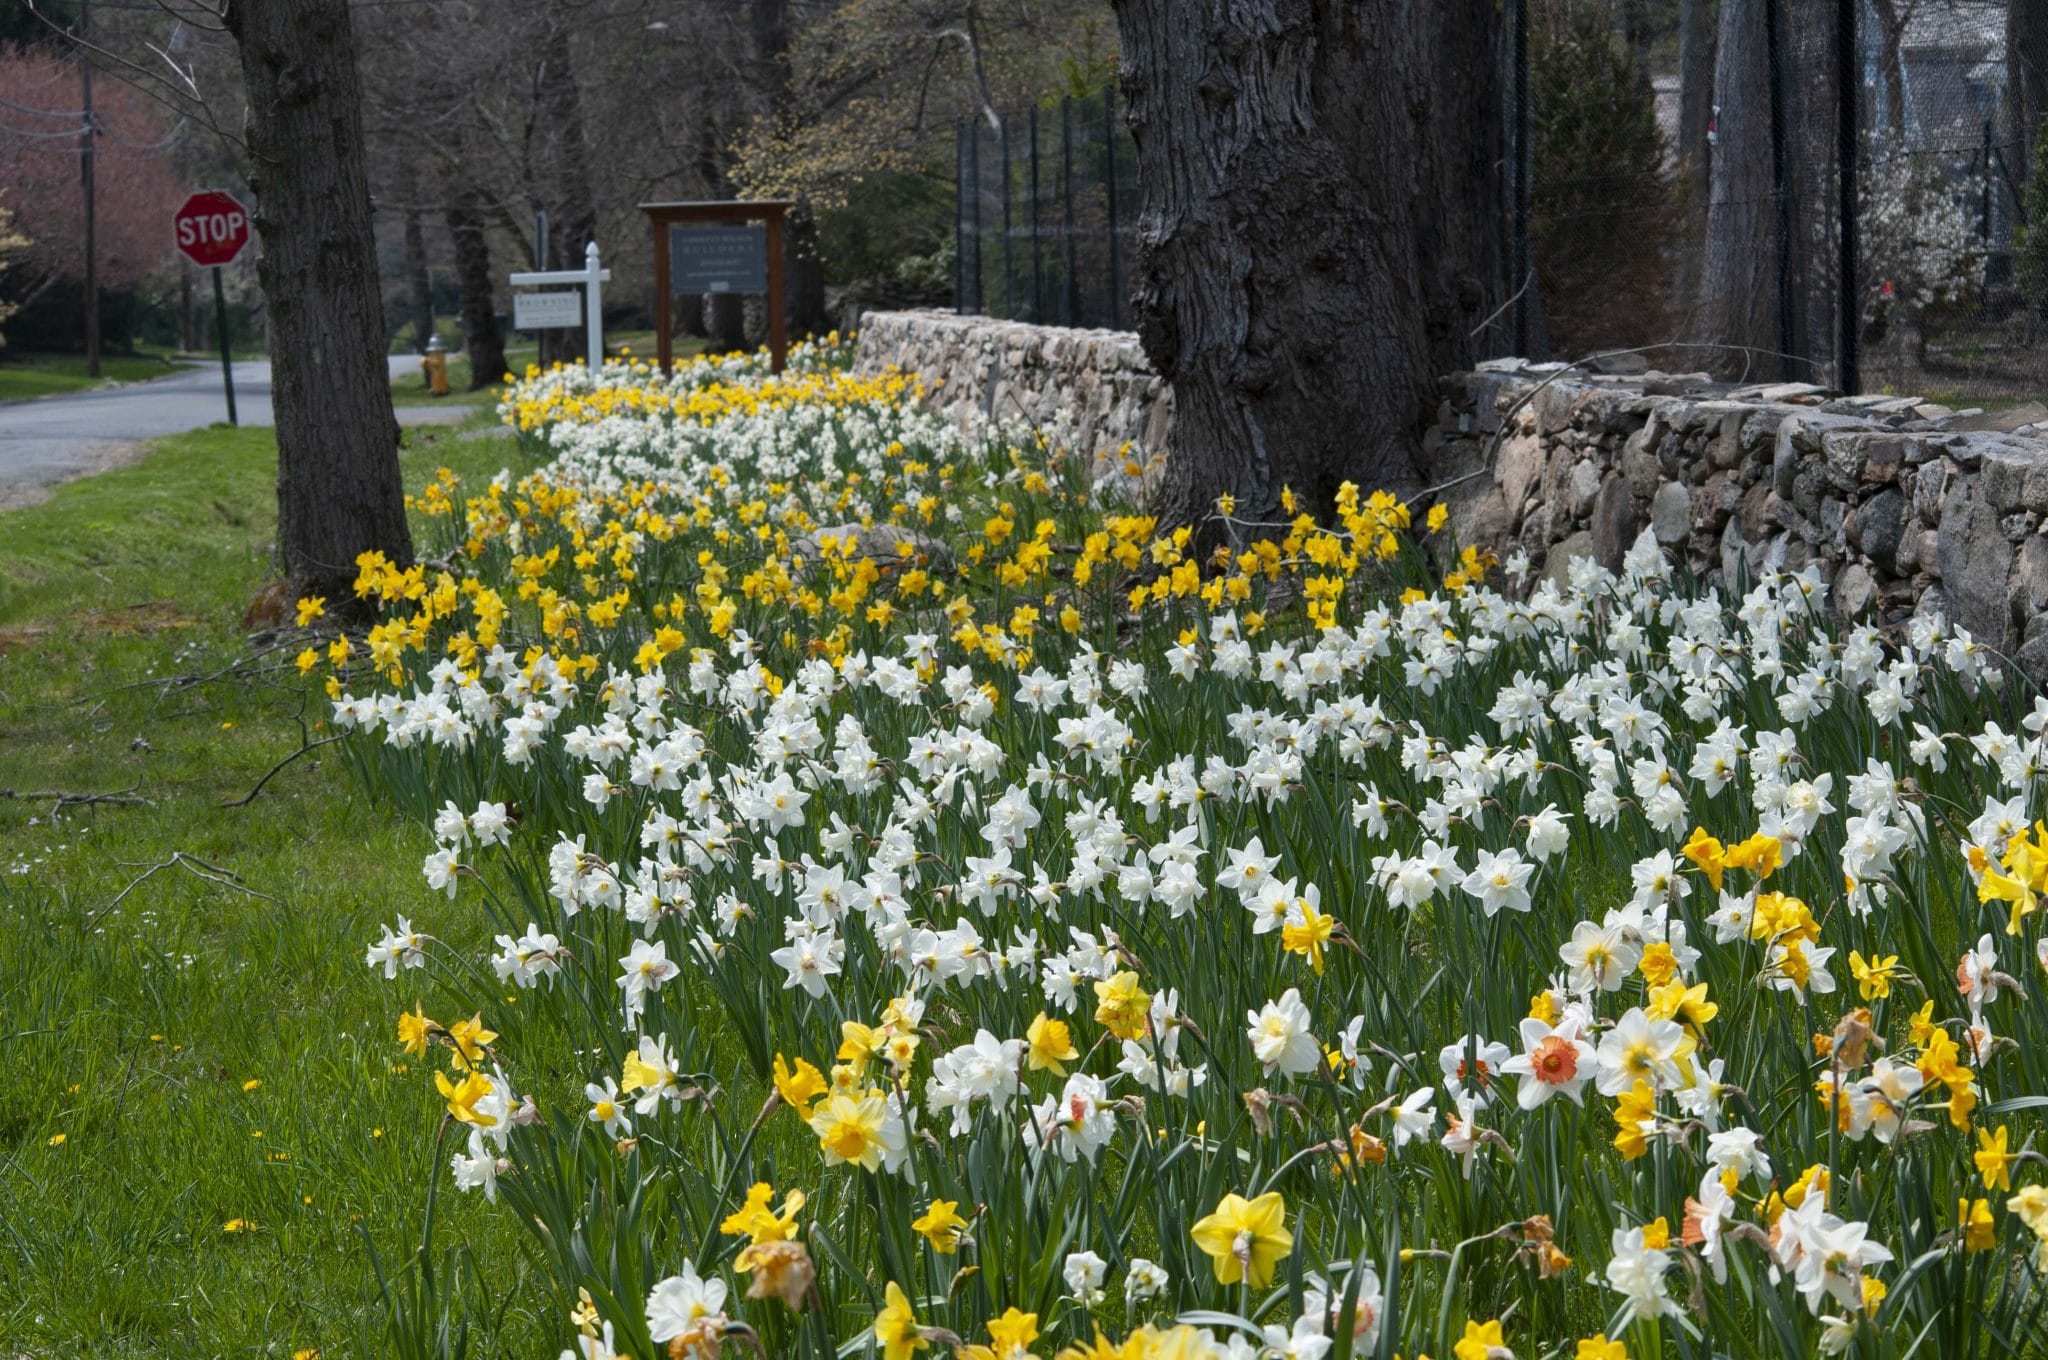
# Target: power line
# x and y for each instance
(29, 136)
(45, 113)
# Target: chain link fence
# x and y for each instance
(1047, 205)
(1826, 191)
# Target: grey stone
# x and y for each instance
(2002, 422)
(882, 542)
(1854, 589)
(1785, 458)
(1553, 406)
(1878, 526)
(2032, 659)
(1883, 458)
(1639, 464)
(1734, 556)
(1557, 566)
(1976, 562)
(1930, 492)
(1833, 514)
(2003, 476)
(1759, 511)
(1671, 513)
(1487, 520)
(1927, 553)
(1724, 450)
(1520, 464)
(1803, 393)
(2030, 582)
(1614, 523)
(1584, 485)
(1843, 455)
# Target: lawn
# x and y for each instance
(196, 1068)
(41, 375)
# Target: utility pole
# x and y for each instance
(85, 169)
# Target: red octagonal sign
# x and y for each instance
(212, 227)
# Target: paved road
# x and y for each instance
(54, 439)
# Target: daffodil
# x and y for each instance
(941, 1226)
(896, 1326)
(1245, 1239)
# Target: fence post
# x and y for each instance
(1781, 199)
(974, 198)
(1519, 285)
(960, 216)
(1848, 109)
(1984, 214)
(1072, 290)
(1009, 232)
(1116, 261)
(1037, 231)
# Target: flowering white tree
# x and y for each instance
(10, 241)
(1921, 245)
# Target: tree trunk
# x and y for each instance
(572, 212)
(1693, 152)
(1892, 16)
(1695, 99)
(1738, 278)
(481, 338)
(422, 283)
(689, 314)
(807, 312)
(1810, 176)
(727, 323)
(339, 491)
(1320, 233)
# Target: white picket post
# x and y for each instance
(593, 315)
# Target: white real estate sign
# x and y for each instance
(546, 311)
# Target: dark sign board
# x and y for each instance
(718, 259)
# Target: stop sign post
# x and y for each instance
(212, 228)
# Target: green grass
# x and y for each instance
(40, 375)
(129, 1031)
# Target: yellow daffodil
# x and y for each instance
(896, 1326)
(1245, 1239)
(941, 1226)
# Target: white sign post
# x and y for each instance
(543, 311)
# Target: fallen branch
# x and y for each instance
(64, 799)
(250, 796)
(212, 873)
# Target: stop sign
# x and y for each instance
(212, 227)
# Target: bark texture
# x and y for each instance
(1320, 232)
(339, 491)
(1738, 280)
(417, 277)
(481, 338)
(1694, 154)
(563, 152)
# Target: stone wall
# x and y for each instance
(1906, 505)
(1089, 390)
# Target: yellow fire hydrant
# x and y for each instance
(434, 367)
